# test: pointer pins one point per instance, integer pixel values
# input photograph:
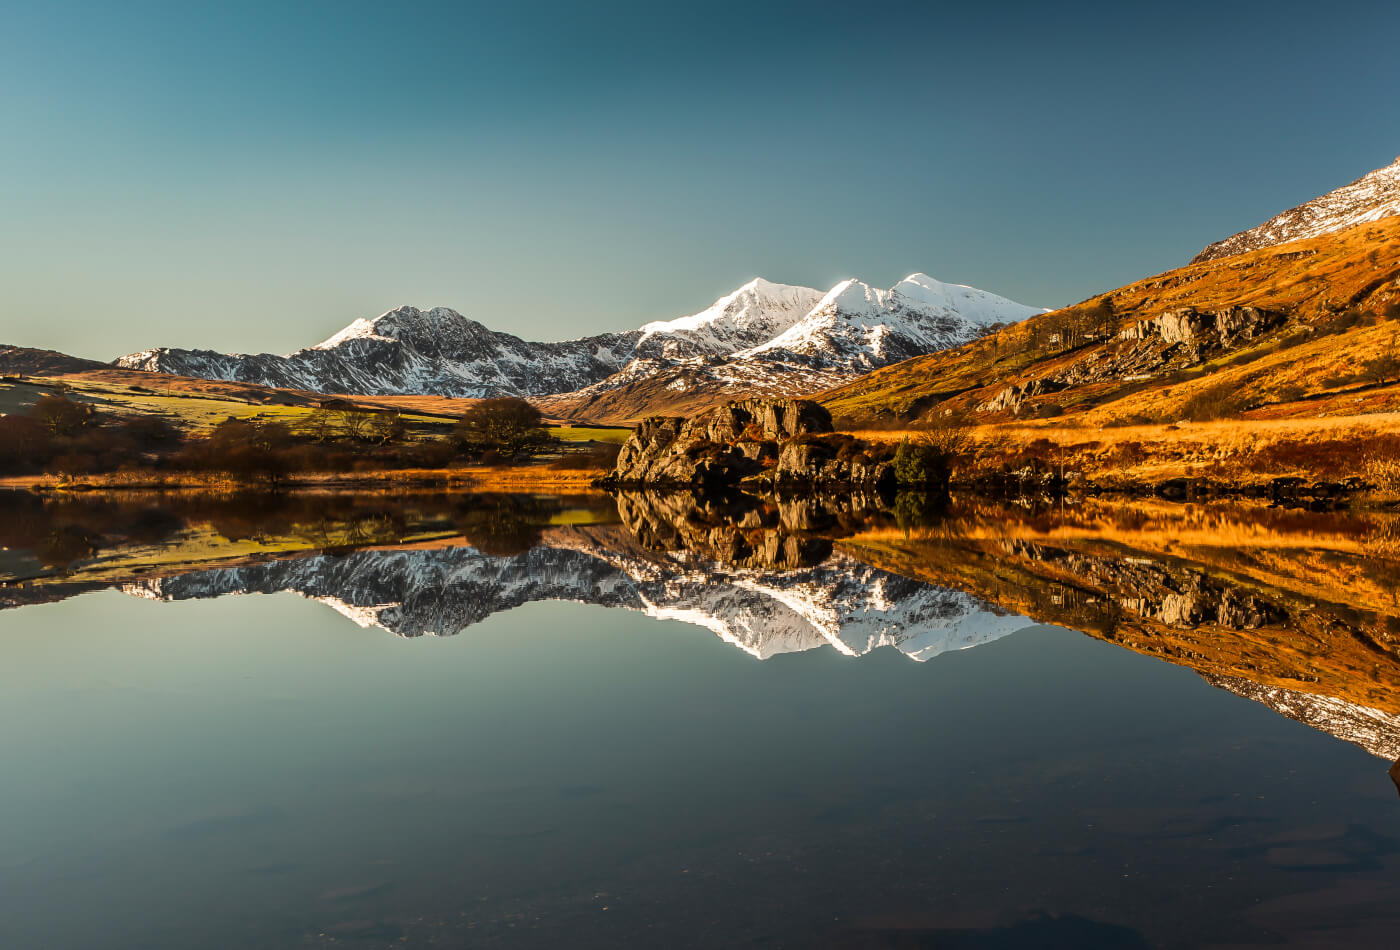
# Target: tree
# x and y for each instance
(62, 416)
(321, 425)
(356, 423)
(387, 427)
(927, 462)
(507, 425)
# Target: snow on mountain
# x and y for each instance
(842, 603)
(1371, 197)
(757, 311)
(859, 327)
(761, 336)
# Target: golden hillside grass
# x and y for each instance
(1316, 281)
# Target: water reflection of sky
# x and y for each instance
(257, 771)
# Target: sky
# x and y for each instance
(253, 176)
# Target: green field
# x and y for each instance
(198, 413)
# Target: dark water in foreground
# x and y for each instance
(264, 771)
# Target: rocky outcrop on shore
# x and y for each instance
(785, 443)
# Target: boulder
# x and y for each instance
(715, 448)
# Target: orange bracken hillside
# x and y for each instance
(1320, 343)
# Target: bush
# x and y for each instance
(922, 464)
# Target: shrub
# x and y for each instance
(922, 464)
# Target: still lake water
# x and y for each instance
(690, 761)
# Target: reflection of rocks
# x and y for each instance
(811, 602)
(1376, 732)
(1173, 595)
(743, 530)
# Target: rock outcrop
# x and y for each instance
(789, 440)
(1205, 330)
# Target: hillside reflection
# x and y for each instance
(1293, 609)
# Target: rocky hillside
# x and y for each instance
(1299, 329)
(763, 336)
(1369, 198)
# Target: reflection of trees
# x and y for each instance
(504, 525)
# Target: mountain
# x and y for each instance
(850, 330)
(24, 361)
(761, 335)
(1369, 198)
(841, 603)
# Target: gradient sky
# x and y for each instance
(253, 176)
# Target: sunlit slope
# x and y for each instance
(1325, 307)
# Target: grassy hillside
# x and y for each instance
(1333, 299)
(1281, 362)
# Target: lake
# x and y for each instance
(535, 722)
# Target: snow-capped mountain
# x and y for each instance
(761, 336)
(859, 327)
(842, 603)
(1369, 198)
(850, 330)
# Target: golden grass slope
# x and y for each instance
(1335, 289)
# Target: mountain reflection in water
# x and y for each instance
(1295, 610)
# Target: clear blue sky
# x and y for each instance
(252, 176)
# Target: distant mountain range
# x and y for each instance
(760, 336)
(1370, 198)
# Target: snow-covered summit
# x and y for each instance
(865, 327)
(757, 311)
(1371, 197)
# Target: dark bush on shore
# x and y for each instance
(64, 437)
(601, 455)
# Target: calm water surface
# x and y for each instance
(265, 771)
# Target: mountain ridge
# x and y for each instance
(441, 352)
(1371, 197)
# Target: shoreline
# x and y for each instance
(512, 478)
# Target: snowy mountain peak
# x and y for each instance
(867, 327)
(402, 323)
(1371, 197)
(755, 312)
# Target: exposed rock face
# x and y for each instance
(1175, 338)
(717, 448)
(1011, 398)
(1205, 329)
(832, 462)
